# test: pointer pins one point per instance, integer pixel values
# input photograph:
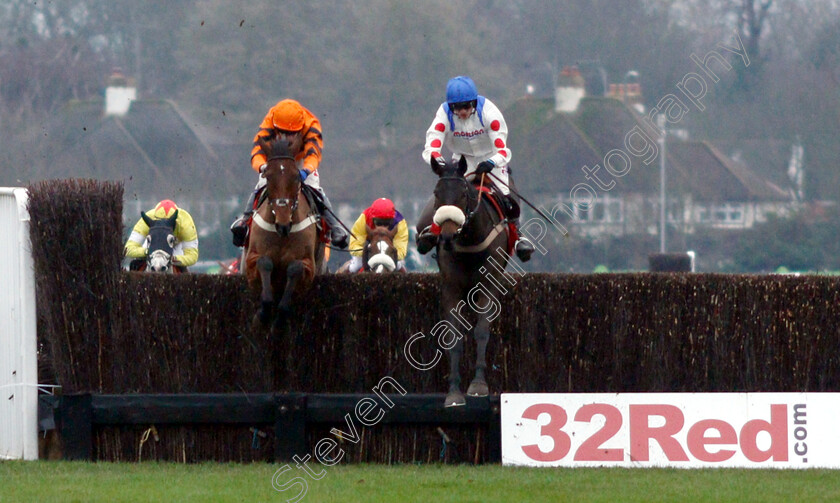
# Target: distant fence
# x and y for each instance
(109, 332)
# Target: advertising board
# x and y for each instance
(688, 430)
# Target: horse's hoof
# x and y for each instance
(478, 388)
(454, 399)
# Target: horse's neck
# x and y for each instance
(482, 218)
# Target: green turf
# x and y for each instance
(164, 482)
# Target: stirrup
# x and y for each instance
(524, 248)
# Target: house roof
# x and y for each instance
(551, 149)
(714, 177)
(766, 157)
(153, 150)
(545, 140)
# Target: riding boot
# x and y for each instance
(240, 226)
(425, 239)
(523, 246)
(338, 236)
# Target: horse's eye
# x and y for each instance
(170, 240)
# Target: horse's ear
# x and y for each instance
(263, 145)
(393, 232)
(173, 219)
(146, 219)
(437, 168)
(462, 166)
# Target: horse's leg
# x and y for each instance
(478, 386)
(265, 266)
(454, 397)
(295, 374)
(294, 272)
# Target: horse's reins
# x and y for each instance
(517, 194)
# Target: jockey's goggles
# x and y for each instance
(462, 105)
(382, 222)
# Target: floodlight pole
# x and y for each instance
(660, 120)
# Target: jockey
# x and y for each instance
(185, 251)
(471, 125)
(380, 213)
(300, 127)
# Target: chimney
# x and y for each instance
(119, 93)
(634, 96)
(570, 89)
(629, 91)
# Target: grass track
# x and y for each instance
(165, 482)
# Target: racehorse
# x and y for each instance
(160, 245)
(380, 254)
(472, 253)
(284, 251)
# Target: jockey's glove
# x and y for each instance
(303, 174)
(485, 167)
(439, 158)
(262, 168)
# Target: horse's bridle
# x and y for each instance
(468, 212)
(291, 203)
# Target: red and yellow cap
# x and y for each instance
(164, 209)
(382, 208)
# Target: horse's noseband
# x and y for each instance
(292, 203)
(466, 211)
(289, 202)
(159, 261)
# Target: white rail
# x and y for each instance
(18, 338)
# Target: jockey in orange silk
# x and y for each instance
(290, 120)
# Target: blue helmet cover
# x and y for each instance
(461, 89)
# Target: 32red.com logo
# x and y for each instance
(727, 429)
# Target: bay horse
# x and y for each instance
(160, 245)
(284, 251)
(379, 254)
(473, 245)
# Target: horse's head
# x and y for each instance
(283, 183)
(453, 198)
(380, 254)
(160, 242)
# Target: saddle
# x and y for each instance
(505, 207)
(313, 198)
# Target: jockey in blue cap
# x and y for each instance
(471, 125)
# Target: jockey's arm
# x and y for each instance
(187, 237)
(134, 244)
(401, 240)
(357, 240)
(498, 132)
(435, 135)
(313, 143)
